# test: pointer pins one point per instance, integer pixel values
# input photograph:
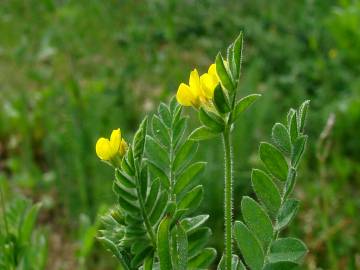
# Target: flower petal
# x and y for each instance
(184, 95)
(208, 85)
(123, 148)
(115, 140)
(103, 149)
(194, 83)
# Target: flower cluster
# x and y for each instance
(113, 148)
(200, 90)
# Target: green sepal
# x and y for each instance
(211, 120)
(223, 74)
(220, 100)
(202, 133)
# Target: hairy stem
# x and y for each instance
(228, 197)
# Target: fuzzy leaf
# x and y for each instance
(159, 208)
(139, 258)
(124, 179)
(281, 138)
(163, 244)
(298, 150)
(249, 246)
(164, 114)
(139, 139)
(211, 120)
(182, 247)
(257, 220)
(156, 153)
(302, 113)
(192, 199)
(290, 182)
(266, 191)
(179, 130)
(243, 104)
(157, 172)
(286, 213)
(273, 160)
(187, 176)
(202, 133)
(287, 249)
(236, 56)
(202, 260)
(160, 131)
(223, 74)
(220, 100)
(192, 223)
(236, 264)
(185, 154)
(153, 194)
(293, 128)
(198, 240)
(282, 266)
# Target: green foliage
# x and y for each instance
(22, 246)
(157, 191)
(258, 236)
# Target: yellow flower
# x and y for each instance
(108, 149)
(189, 95)
(200, 89)
(209, 81)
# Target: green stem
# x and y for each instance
(228, 197)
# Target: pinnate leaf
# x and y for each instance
(249, 246)
(273, 160)
(266, 190)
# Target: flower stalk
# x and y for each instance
(228, 196)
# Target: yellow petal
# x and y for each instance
(103, 149)
(212, 72)
(194, 83)
(184, 95)
(208, 85)
(115, 140)
(123, 147)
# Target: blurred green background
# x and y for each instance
(71, 71)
